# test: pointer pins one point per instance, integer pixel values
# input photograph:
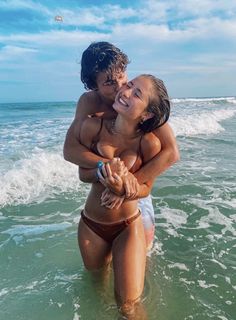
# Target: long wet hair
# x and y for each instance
(159, 105)
(101, 57)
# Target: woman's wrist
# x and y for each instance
(98, 172)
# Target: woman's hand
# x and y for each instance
(118, 166)
(113, 180)
(116, 177)
(111, 200)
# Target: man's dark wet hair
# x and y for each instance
(101, 57)
(159, 105)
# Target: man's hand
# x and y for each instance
(131, 186)
(111, 200)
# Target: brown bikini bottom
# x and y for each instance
(108, 232)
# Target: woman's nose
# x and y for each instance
(126, 92)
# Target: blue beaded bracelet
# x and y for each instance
(99, 164)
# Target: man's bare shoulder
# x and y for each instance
(163, 130)
(90, 96)
(87, 104)
(89, 129)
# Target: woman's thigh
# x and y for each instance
(129, 261)
(96, 252)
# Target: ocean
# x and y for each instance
(191, 270)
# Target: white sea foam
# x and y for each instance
(214, 217)
(227, 99)
(3, 292)
(200, 123)
(36, 177)
(174, 219)
(222, 317)
(32, 230)
(203, 284)
(180, 266)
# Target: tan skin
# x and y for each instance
(128, 250)
(99, 103)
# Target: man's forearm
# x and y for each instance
(144, 191)
(82, 157)
(157, 165)
(88, 175)
(78, 154)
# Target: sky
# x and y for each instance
(189, 44)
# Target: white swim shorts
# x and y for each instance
(147, 210)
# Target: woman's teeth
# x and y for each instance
(123, 102)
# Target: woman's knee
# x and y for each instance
(95, 266)
(92, 267)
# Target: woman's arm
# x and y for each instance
(74, 151)
(150, 148)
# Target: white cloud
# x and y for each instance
(189, 8)
(83, 17)
(154, 11)
(151, 11)
(211, 28)
(13, 52)
(115, 12)
(132, 33)
(176, 40)
(59, 38)
(24, 4)
(94, 16)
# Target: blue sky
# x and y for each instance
(189, 44)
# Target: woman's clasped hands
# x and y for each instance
(119, 182)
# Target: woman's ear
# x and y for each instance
(147, 116)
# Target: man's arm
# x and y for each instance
(91, 175)
(88, 175)
(168, 155)
(73, 150)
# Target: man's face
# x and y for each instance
(109, 86)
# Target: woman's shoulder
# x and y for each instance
(150, 146)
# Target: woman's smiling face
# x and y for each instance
(133, 98)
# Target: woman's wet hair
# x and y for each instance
(101, 57)
(159, 105)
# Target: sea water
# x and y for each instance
(191, 270)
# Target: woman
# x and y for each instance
(142, 106)
(103, 72)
